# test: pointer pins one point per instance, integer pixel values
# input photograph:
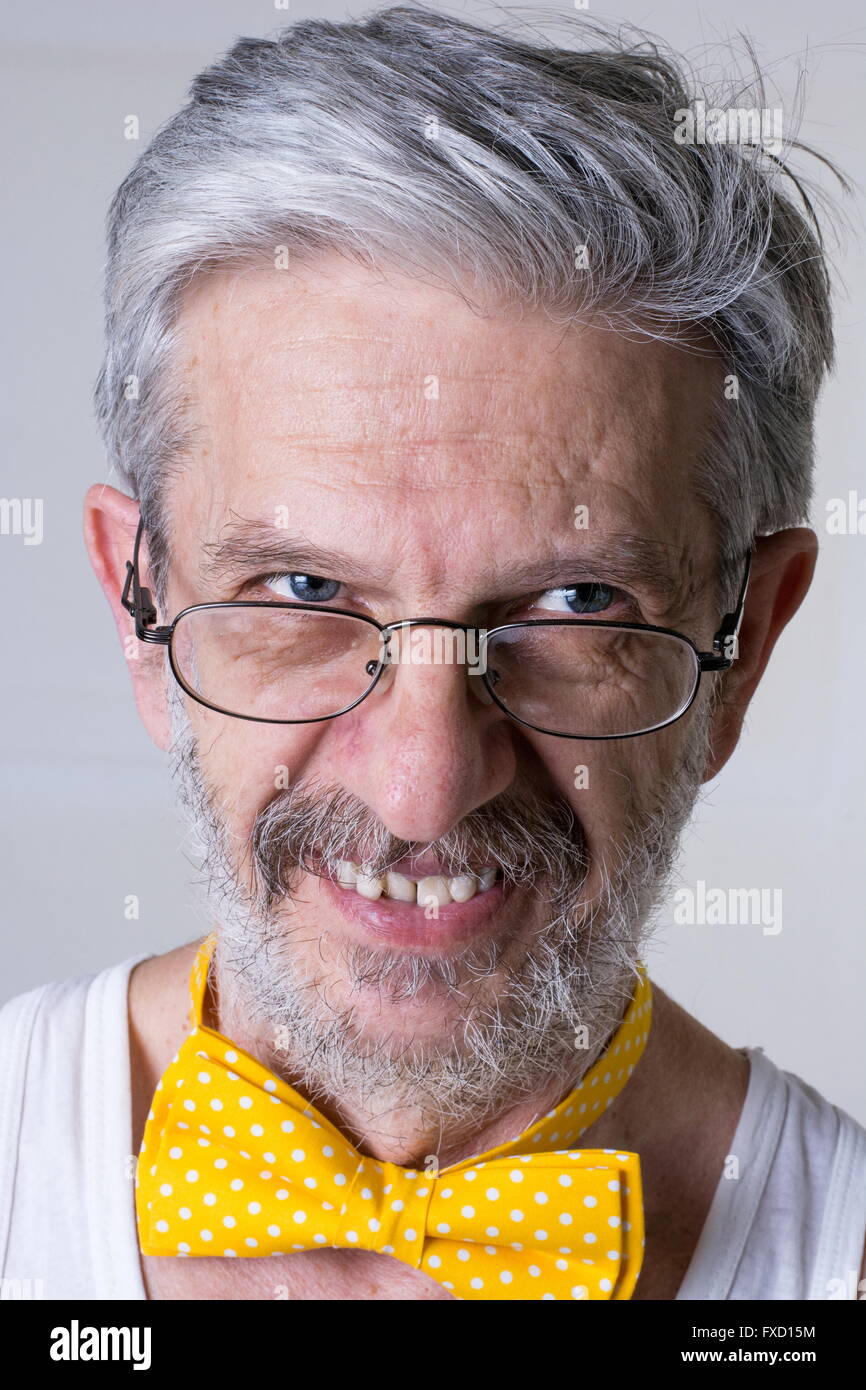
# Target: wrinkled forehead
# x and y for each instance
(385, 411)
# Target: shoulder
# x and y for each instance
(55, 1013)
(833, 1144)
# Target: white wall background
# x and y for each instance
(87, 817)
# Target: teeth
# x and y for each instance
(435, 889)
(347, 874)
(371, 888)
(464, 887)
(401, 888)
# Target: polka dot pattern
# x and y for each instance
(234, 1162)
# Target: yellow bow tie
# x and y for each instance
(235, 1162)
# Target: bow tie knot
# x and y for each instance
(386, 1211)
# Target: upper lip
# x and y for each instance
(422, 866)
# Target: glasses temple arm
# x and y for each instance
(141, 606)
(725, 651)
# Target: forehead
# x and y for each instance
(386, 409)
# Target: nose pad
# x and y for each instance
(473, 674)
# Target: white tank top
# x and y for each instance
(790, 1226)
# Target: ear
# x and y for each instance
(110, 524)
(782, 569)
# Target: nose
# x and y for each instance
(427, 746)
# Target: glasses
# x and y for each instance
(290, 663)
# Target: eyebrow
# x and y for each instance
(658, 568)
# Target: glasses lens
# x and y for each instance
(591, 682)
(275, 663)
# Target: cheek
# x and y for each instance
(245, 765)
(605, 782)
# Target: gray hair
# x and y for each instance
(454, 151)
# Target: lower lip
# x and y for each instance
(404, 924)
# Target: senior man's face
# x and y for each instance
(413, 458)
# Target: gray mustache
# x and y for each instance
(304, 830)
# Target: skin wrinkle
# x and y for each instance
(404, 1047)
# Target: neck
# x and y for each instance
(396, 1129)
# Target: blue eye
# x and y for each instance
(589, 598)
(579, 600)
(305, 588)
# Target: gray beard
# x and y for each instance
(522, 1004)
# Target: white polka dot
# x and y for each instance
(410, 1234)
(204, 1077)
(300, 1217)
(468, 1212)
(166, 1189)
(605, 1284)
(229, 1221)
(209, 1199)
(236, 1184)
(175, 1153)
(492, 1193)
(206, 1235)
(516, 1215)
(590, 1201)
(273, 1230)
(162, 1225)
(254, 1208)
(476, 1283)
(516, 1175)
(506, 1276)
(245, 1102)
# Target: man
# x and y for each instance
(467, 416)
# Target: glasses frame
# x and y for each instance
(143, 611)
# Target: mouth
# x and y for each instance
(430, 890)
(414, 907)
